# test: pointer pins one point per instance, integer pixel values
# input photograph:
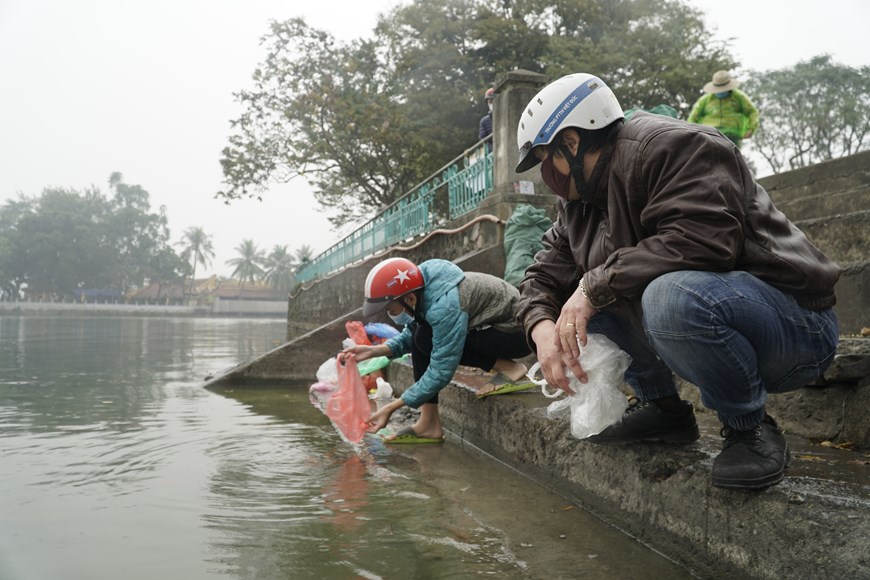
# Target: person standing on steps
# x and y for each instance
(726, 108)
(665, 243)
(485, 126)
(450, 317)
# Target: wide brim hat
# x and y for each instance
(721, 82)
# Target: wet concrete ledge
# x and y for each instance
(815, 524)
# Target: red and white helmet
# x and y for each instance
(389, 280)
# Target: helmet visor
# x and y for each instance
(527, 158)
(374, 306)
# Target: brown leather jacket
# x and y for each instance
(665, 196)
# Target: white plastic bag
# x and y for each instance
(327, 372)
(384, 391)
(599, 402)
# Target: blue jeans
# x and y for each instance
(734, 336)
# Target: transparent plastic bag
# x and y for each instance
(599, 402)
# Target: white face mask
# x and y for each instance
(489, 106)
(402, 319)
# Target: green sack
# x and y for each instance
(666, 110)
(371, 365)
(522, 240)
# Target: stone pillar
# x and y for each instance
(513, 91)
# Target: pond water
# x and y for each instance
(115, 463)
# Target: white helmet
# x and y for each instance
(579, 100)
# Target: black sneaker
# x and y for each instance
(645, 421)
(752, 459)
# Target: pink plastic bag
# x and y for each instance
(348, 408)
(356, 332)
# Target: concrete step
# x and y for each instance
(829, 177)
(814, 524)
(853, 298)
(820, 205)
(844, 238)
(834, 408)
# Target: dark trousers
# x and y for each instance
(482, 349)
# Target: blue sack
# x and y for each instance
(380, 330)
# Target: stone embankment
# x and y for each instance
(815, 524)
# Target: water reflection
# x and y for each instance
(86, 373)
(345, 495)
(94, 372)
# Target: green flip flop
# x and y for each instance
(505, 386)
(408, 436)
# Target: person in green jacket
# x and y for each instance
(726, 108)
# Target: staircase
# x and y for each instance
(830, 203)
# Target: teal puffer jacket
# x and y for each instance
(441, 309)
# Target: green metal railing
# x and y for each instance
(467, 187)
(465, 182)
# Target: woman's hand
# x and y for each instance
(361, 352)
(381, 417)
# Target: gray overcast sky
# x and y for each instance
(88, 87)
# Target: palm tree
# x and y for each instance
(248, 264)
(197, 248)
(303, 255)
(279, 266)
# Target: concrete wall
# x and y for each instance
(336, 295)
(830, 203)
(249, 308)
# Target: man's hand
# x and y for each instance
(571, 326)
(553, 360)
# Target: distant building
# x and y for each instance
(97, 295)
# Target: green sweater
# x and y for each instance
(734, 115)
